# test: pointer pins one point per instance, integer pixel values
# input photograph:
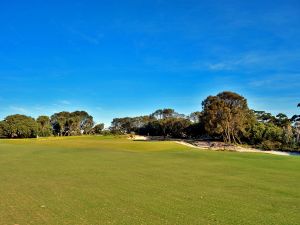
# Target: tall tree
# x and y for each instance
(44, 128)
(69, 124)
(228, 115)
(59, 123)
(122, 125)
(158, 114)
(282, 120)
(83, 121)
(285, 124)
(296, 122)
(264, 117)
(2, 131)
(163, 113)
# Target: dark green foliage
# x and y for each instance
(264, 117)
(256, 133)
(2, 131)
(196, 130)
(270, 132)
(123, 125)
(130, 124)
(282, 120)
(44, 128)
(98, 129)
(19, 126)
(178, 127)
(163, 122)
(71, 124)
(83, 121)
(296, 122)
(152, 128)
(273, 132)
(227, 115)
(59, 123)
(270, 145)
(174, 127)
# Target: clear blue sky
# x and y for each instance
(119, 58)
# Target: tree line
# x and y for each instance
(59, 124)
(225, 117)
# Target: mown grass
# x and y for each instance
(106, 180)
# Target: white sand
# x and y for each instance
(205, 145)
(239, 149)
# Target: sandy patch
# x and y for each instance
(205, 145)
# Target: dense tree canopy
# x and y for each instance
(98, 129)
(2, 135)
(163, 122)
(19, 126)
(225, 116)
(60, 124)
(69, 124)
(296, 122)
(44, 128)
(272, 132)
(228, 115)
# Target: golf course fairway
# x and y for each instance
(112, 180)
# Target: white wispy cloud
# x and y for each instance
(278, 81)
(256, 60)
(64, 102)
(90, 38)
(219, 66)
(19, 109)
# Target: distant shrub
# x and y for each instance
(271, 145)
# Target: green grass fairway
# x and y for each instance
(105, 180)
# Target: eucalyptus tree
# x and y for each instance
(70, 124)
(59, 123)
(285, 124)
(296, 122)
(2, 129)
(130, 124)
(227, 114)
(122, 125)
(158, 114)
(168, 113)
(82, 122)
(264, 117)
(19, 126)
(44, 128)
(163, 113)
